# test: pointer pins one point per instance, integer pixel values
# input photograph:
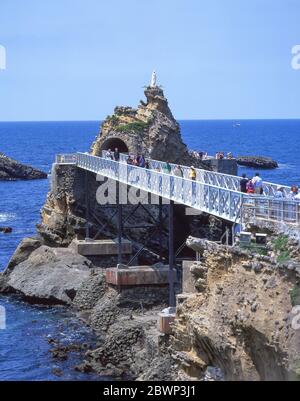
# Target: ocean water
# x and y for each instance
(24, 350)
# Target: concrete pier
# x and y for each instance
(89, 247)
(138, 275)
(224, 166)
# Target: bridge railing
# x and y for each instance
(211, 177)
(270, 209)
(223, 202)
(208, 198)
(70, 158)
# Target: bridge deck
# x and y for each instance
(214, 193)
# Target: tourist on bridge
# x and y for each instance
(279, 194)
(192, 173)
(167, 168)
(294, 192)
(297, 197)
(258, 184)
(130, 161)
(109, 154)
(243, 183)
(178, 171)
(116, 155)
(142, 161)
(250, 187)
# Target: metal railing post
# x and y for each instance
(172, 302)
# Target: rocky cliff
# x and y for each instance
(12, 170)
(243, 317)
(149, 129)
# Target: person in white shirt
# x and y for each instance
(258, 184)
(297, 197)
(294, 192)
(279, 193)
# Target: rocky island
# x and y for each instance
(234, 306)
(257, 162)
(11, 170)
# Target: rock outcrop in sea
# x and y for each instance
(149, 129)
(257, 162)
(11, 170)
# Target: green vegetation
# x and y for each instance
(136, 126)
(280, 245)
(254, 248)
(113, 119)
(283, 257)
(295, 296)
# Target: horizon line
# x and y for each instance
(177, 119)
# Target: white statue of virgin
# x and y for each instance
(153, 79)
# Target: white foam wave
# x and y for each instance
(4, 217)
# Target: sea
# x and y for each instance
(24, 342)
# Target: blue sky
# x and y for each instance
(217, 59)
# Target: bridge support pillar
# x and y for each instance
(172, 300)
(160, 222)
(120, 224)
(87, 205)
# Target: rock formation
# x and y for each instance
(257, 162)
(150, 130)
(13, 170)
(48, 275)
(241, 317)
(6, 230)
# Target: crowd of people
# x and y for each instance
(221, 155)
(199, 155)
(204, 155)
(294, 193)
(252, 186)
(255, 186)
(113, 155)
(247, 185)
(140, 161)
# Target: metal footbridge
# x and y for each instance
(213, 193)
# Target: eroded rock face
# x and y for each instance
(12, 170)
(126, 325)
(23, 251)
(150, 130)
(48, 275)
(64, 208)
(241, 320)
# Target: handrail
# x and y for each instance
(168, 175)
(213, 198)
(200, 196)
(236, 179)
